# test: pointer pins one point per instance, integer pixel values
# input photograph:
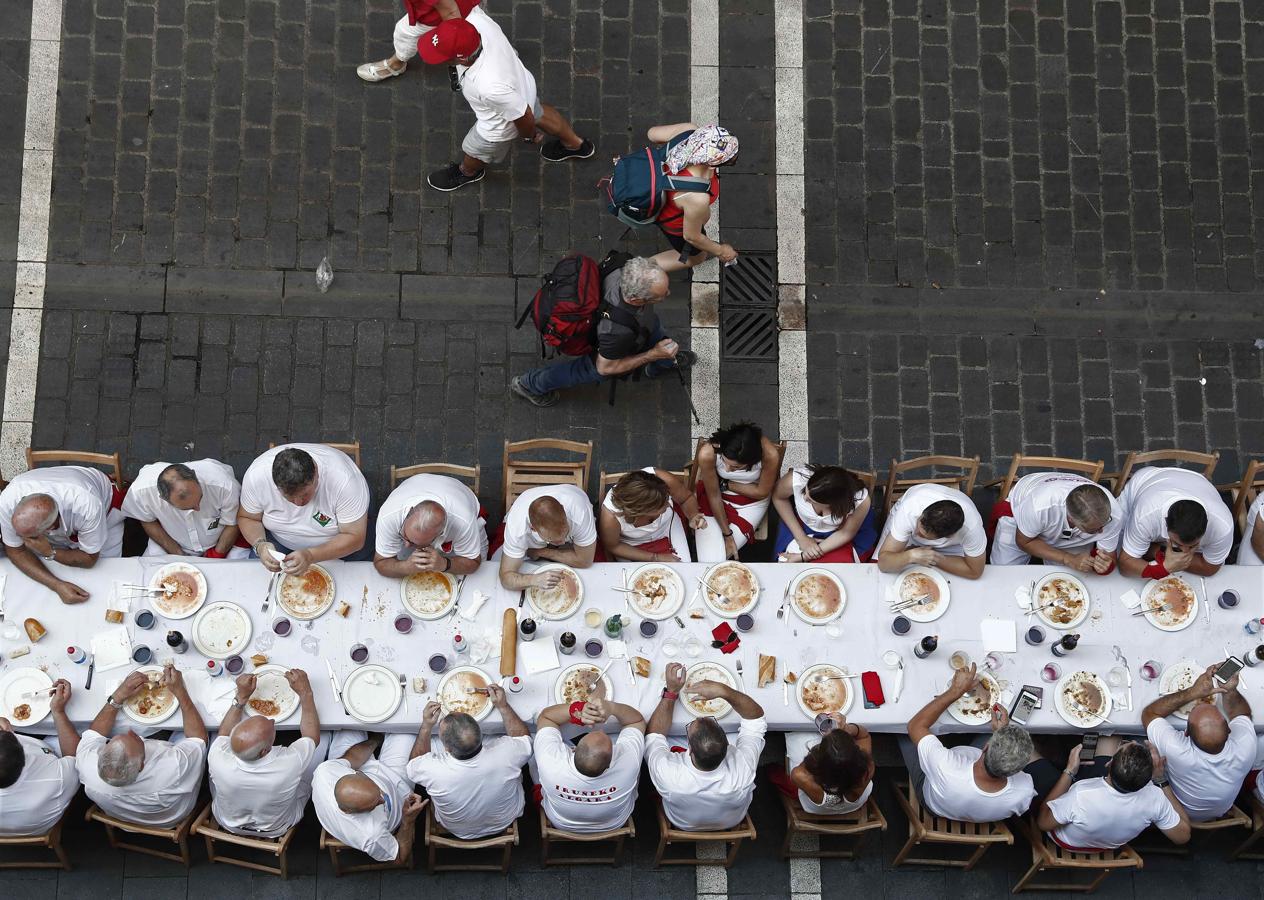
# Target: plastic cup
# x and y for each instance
(359, 653)
(144, 619)
(1151, 669)
(593, 647)
(993, 661)
(1035, 635)
(592, 617)
(745, 622)
(403, 623)
(282, 626)
(671, 649)
(959, 659)
(438, 663)
(1051, 672)
(141, 654)
(648, 628)
(234, 664)
(901, 625)
(1117, 677)
(1228, 600)
(693, 647)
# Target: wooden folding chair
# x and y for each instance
(1048, 856)
(336, 848)
(927, 828)
(49, 840)
(897, 485)
(352, 449)
(108, 461)
(439, 838)
(178, 834)
(761, 530)
(212, 831)
(607, 480)
(523, 474)
(1243, 493)
(1257, 828)
(852, 826)
(1090, 470)
(472, 474)
(549, 833)
(1233, 818)
(1205, 461)
(670, 834)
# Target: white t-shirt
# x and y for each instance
(83, 498)
(195, 530)
(342, 497)
(263, 797)
(475, 797)
(971, 540)
(498, 86)
(163, 793)
(821, 524)
(1039, 503)
(372, 832)
(1205, 784)
(463, 528)
(1151, 492)
(1098, 817)
(519, 536)
(1246, 553)
(34, 803)
(951, 791)
(707, 801)
(576, 802)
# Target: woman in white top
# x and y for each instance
(1251, 550)
(830, 774)
(737, 470)
(826, 516)
(641, 518)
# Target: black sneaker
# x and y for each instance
(517, 387)
(452, 177)
(556, 151)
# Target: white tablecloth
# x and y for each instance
(865, 635)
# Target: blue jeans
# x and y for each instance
(583, 370)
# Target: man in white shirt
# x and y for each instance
(475, 786)
(933, 525)
(1174, 521)
(366, 802)
(1060, 518)
(187, 509)
(592, 786)
(144, 781)
(1251, 550)
(64, 514)
(502, 94)
(1113, 800)
(552, 522)
(1208, 761)
(36, 783)
(261, 790)
(986, 782)
(307, 501)
(710, 787)
(420, 17)
(430, 523)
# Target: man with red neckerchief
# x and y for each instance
(419, 17)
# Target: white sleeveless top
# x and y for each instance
(741, 476)
(797, 746)
(635, 535)
(821, 524)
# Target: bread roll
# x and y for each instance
(641, 665)
(114, 616)
(34, 630)
(259, 659)
(509, 642)
(767, 670)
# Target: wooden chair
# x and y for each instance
(927, 828)
(212, 831)
(178, 834)
(550, 833)
(1205, 461)
(897, 485)
(352, 449)
(761, 530)
(336, 848)
(439, 838)
(607, 480)
(852, 826)
(108, 461)
(670, 834)
(1243, 493)
(49, 840)
(1049, 856)
(523, 474)
(472, 474)
(1233, 818)
(1257, 829)
(1090, 470)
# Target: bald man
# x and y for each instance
(552, 523)
(590, 787)
(1207, 762)
(187, 509)
(64, 514)
(430, 523)
(261, 790)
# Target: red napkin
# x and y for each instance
(726, 639)
(872, 685)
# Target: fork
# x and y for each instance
(1081, 708)
(1152, 609)
(908, 604)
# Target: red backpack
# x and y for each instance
(568, 305)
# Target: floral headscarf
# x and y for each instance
(709, 145)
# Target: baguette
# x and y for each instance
(767, 670)
(509, 642)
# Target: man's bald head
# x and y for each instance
(357, 793)
(252, 738)
(179, 486)
(423, 523)
(36, 514)
(593, 753)
(1207, 728)
(548, 520)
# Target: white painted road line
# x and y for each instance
(704, 109)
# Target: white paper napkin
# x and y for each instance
(999, 636)
(213, 694)
(537, 656)
(470, 606)
(1130, 599)
(1022, 594)
(112, 648)
(616, 649)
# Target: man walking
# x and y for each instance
(420, 17)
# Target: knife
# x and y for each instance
(92, 667)
(1206, 601)
(522, 597)
(271, 585)
(333, 682)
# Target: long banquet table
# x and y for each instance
(865, 634)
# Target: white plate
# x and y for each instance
(446, 693)
(372, 693)
(816, 672)
(802, 613)
(670, 605)
(1074, 719)
(560, 697)
(421, 612)
(570, 610)
(1176, 678)
(710, 597)
(221, 630)
(704, 671)
(129, 707)
(159, 601)
(1149, 599)
(270, 685)
(983, 718)
(1085, 607)
(307, 612)
(14, 684)
(921, 614)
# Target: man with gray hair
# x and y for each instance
(1058, 517)
(187, 509)
(475, 785)
(987, 781)
(430, 523)
(629, 339)
(144, 781)
(261, 790)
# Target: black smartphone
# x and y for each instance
(1028, 701)
(1088, 747)
(1227, 669)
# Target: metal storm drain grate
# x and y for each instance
(748, 308)
(748, 334)
(751, 281)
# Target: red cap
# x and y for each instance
(448, 40)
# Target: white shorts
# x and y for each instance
(479, 147)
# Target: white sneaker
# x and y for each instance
(379, 71)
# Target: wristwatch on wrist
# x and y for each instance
(114, 704)
(1161, 783)
(52, 555)
(670, 695)
(240, 704)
